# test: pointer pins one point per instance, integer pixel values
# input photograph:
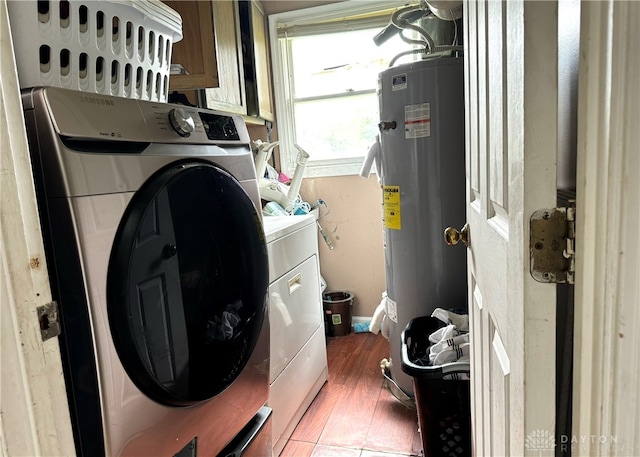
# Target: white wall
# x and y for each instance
(354, 225)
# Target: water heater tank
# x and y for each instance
(423, 177)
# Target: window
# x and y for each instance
(326, 68)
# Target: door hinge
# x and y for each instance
(49, 320)
(552, 245)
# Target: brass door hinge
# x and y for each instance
(49, 320)
(552, 245)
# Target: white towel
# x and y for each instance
(452, 354)
(461, 321)
(444, 333)
(446, 343)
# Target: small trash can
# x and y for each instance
(442, 399)
(338, 307)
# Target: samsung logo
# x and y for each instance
(97, 101)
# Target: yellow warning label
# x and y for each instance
(392, 207)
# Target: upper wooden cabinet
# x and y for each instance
(229, 95)
(225, 51)
(195, 53)
(257, 61)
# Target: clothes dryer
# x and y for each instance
(158, 263)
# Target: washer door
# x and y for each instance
(187, 283)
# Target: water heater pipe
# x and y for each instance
(373, 155)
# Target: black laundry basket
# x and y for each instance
(443, 405)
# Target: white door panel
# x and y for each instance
(511, 86)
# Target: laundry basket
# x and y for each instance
(120, 48)
(443, 404)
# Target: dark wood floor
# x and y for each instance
(353, 415)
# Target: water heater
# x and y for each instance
(423, 179)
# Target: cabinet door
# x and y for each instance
(196, 51)
(229, 95)
(258, 74)
(225, 51)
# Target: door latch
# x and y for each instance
(552, 245)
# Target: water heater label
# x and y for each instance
(392, 310)
(417, 121)
(392, 207)
(399, 82)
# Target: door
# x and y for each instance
(511, 135)
(187, 283)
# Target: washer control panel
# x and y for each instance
(94, 116)
(219, 127)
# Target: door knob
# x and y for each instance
(453, 236)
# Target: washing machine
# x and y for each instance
(158, 264)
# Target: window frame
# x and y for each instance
(284, 101)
